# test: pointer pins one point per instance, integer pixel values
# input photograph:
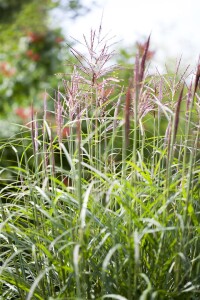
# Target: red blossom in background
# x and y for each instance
(36, 57)
(6, 69)
(29, 53)
(59, 39)
(141, 48)
(32, 55)
(35, 37)
(24, 113)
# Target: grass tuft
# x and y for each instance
(102, 201)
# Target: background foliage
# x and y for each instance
(30, 55)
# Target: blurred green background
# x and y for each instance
(32, 51)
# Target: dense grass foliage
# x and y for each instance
(103, 198)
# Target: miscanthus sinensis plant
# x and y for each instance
(103, 201)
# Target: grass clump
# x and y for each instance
(102, 201)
